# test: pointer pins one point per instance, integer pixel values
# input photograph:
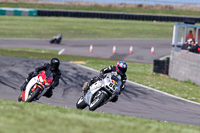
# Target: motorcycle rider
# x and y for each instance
(53, 67)
(120, 68)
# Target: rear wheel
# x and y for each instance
(52, 41)
(98, 100)
(33, 95)
(80, 104)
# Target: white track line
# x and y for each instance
(162, 58)
(61, 51)
(149, 88)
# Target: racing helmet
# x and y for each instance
(121, 67)
(54, 64)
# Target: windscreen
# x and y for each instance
(49, 74)
(115, 80)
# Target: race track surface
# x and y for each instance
(101, 47)
(134, 101)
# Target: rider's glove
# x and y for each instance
(101, 75)
(52, 87)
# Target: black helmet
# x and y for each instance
(121, 67)
(54, 64)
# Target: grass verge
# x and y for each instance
(137, 72)
(38, 118)
(31, 50)
(71, 28)
(108, 8)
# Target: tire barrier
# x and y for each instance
(88, 14)
(161, 66)
(107, 15)
(18, 12)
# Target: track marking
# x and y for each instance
(162, 58)
(61, 51)
(78, 62)
(149, 88)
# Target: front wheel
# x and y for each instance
(33, 95)
(98, 100)
(80, 104)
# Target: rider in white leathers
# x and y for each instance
(120, 68)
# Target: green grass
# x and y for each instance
(100, 8)
(47, 27)
(39, 118)
(31, 50)
(137, 72)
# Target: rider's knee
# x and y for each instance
(114, 99)
(48, 94)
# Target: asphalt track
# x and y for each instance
(134, 101)
(101, 47)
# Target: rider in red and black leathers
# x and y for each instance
(54, 68)
(120, 68)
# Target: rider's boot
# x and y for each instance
(85, 88)
(30, 75)
(22, 88)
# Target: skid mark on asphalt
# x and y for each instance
(73, 80)
(16, 75)
(131, 92)
(6, 83)
(127, 93)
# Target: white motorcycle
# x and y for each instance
(101, 92)
(37, 87)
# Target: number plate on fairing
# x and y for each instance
(112, 86)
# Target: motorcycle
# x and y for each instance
(37, 87)
(56, 39)
(101, 92)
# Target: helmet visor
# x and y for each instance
(122, 70)
(53, 67)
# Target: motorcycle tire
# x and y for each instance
(52, 41)
(80, 104)
(57, 42)
(33, 95)
(98, 101)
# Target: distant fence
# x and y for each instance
(184, 66)
(91, 14)
(110, 15)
